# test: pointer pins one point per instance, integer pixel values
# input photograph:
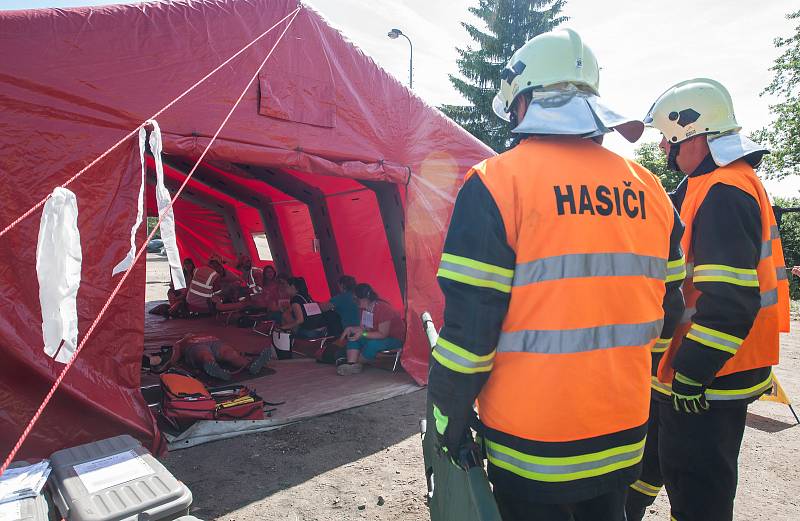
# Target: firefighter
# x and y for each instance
(558, 267)
(204, 286)
(721, 356)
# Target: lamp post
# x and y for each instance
(393, 34)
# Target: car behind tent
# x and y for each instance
(342, 168)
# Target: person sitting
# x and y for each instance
(204, 286)
(268, 299)
(381, 328)
(305, 317)
(177, 297)
(207, 353)
(252, 277)
(232, 287)
(344, 303)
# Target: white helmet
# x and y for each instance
(693, 107)
(545, 60)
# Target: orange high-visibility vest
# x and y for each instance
(591, 234)
(761, 347)
(201, 288)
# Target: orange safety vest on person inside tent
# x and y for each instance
(201, 288)
(761, 346)
(591, 232)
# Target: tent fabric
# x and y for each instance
(80, 79)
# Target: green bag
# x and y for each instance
(454, 493)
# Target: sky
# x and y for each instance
(643, 47)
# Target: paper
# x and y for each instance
(23, 482)
(11, 511)
(367, 319)
(111, 471)
(312, 309)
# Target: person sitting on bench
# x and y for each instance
(344, 303)
(207, 353)
(308, 320)
(382, 328)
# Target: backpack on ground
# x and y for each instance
(186, 400)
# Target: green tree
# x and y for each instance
(508, 25)
(652, 158)
(784, 134)
(790, 238)
(151, 223)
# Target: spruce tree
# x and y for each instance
(509, 24)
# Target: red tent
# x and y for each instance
(343, 169)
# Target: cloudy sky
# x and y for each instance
(643, 47)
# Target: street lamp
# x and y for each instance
(393, 34)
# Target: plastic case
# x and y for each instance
(115, 479)
(35, 508)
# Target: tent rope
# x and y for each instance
(100, 315)
(99, 158)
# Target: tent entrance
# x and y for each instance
(317, 227)
(308, 225)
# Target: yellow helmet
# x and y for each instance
(546, 60)
(693, 107)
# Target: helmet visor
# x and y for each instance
(499, 108)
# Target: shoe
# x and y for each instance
(259, 362)
(215, 371)
(348, 369)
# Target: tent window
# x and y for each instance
(262, 246)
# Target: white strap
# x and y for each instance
(58, 269)
(163, 197)
(125, 263)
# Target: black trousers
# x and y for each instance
(644, 491)
(608, 507)
(699, 457)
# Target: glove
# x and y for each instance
(688, 395)
(452, 436)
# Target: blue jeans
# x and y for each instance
(369, 347)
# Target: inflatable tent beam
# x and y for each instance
(394, 224)
(206, 175)
(227, 211)
(314, 198)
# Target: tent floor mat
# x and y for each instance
(309, 390)
(160, 331)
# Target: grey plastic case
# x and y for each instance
(157, 496)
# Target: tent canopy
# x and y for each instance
(342, 168)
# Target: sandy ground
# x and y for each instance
(366, 463)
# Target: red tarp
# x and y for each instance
(322, 115)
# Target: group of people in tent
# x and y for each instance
(363, 323)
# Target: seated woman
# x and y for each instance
(306, 318)
(209, 354)
(344, 303)
(381, 328)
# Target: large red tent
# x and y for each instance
(343, 169)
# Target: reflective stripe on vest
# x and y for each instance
(475, 273)
(196, 287)
(578, 340)
(555, 470)
(590, 265)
